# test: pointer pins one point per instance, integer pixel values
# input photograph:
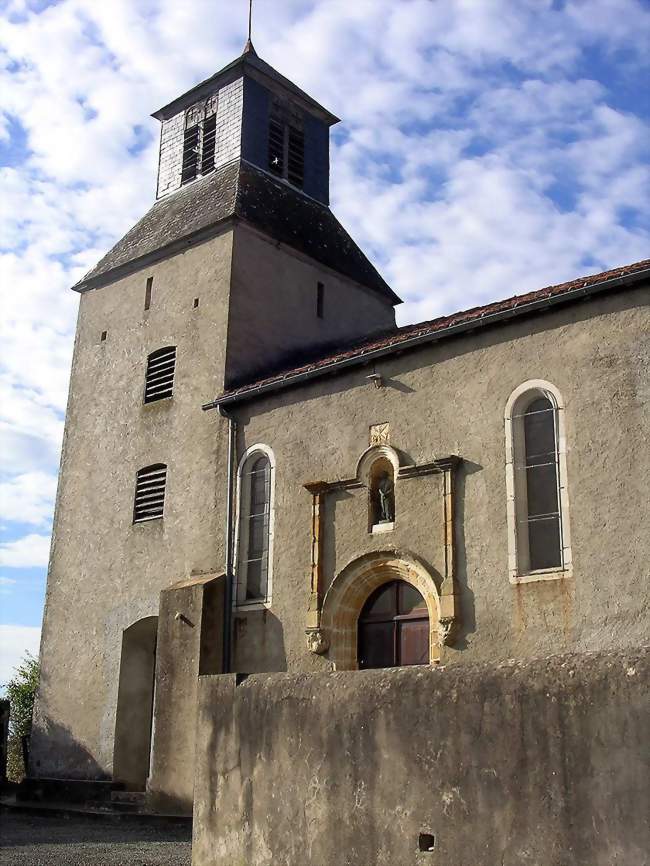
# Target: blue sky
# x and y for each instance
(487, 147)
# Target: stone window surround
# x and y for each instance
(516, 574)
(332, 615)
(265, 604)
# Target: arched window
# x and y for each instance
(255, 530)
(149, 501)
(536, 481)
(393, 629)
(159, 378)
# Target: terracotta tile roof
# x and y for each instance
(399, 338)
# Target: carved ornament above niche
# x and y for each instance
(380, 434)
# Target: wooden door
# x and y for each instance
(393, 628)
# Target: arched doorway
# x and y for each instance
(393, 628)
(355, 584)
(133, 721)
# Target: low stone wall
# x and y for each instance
(538, 763)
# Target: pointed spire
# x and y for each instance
(249, 47)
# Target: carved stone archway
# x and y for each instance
(352, 587)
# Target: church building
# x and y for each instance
(262, 473)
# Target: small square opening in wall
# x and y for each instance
(426, 842)
(196, 303)
(104, 334)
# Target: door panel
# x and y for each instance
(414, 642)
(377, 645)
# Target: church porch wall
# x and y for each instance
(449, 398)
(105, 572)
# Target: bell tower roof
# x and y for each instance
(250, 64)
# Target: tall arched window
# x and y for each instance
(536, 483)
(255, 526)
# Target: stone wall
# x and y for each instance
(542, 762)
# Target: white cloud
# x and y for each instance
(30, 551)
(28, 498)
(15, 642)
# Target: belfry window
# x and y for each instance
(254, 548)
(537, 482)
(150, 484)
(287, 152)
(199, 140)
(159, 378)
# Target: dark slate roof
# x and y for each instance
(237, 191)
(400, 339)
(247, 63)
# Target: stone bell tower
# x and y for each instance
(237, 269)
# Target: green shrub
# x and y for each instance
(21, 691)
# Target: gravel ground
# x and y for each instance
(33, 840)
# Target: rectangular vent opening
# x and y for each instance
(426, 842)
(147, 293)
(159, 380)
(150, 493)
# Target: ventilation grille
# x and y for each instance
(150, 493)
(190, 154)
(296, 167)
(276, 148)
(159, 381)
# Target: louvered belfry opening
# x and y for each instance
(287, 152)
(296, 157)
(159, 381)
(209, 142)
(190, 154)
(149, 501)
(276, 148)
(200, 139)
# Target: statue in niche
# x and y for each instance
(385, 498)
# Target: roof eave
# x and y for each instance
(421, 339)
(120, 271)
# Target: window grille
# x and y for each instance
(538, 461)
(149, 500)
(159, 379)
(254, 530)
